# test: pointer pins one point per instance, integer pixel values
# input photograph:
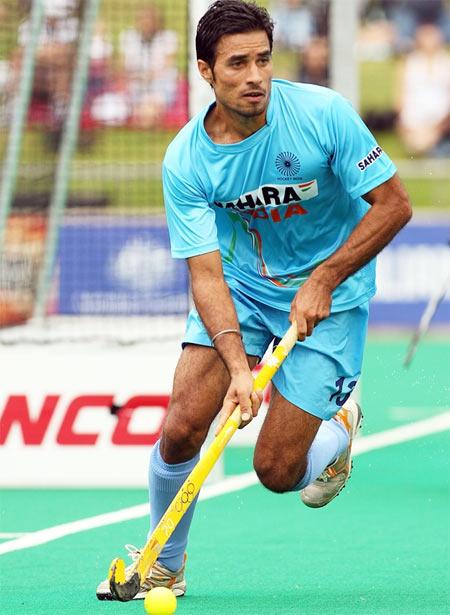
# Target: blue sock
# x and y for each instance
(164, 482)
(331, 441)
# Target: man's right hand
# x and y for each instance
(240, 392)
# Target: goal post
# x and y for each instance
(68, 145)
(18, 120)
(343, 34)
(199, 91)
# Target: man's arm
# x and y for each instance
(390, 211)
(213, 301)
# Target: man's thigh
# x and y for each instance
(311, 385)
(200, 383)
(201, 378)
(320, 373)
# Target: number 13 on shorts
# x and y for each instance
(343, 390)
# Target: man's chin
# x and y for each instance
(253, 111)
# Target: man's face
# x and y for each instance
(241, 76)
(147, 22)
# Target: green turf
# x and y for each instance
(123, 145)
(428, 193)
(379, 548)
(377, 85)
(382, 547)
(393, 395)
(72, 504)
(126, 198)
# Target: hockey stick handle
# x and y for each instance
(427, 317)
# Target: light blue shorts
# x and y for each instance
(320, 373)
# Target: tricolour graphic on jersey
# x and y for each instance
(263, 269)
(272, 195)
(274, 202)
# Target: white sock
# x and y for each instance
(331, 441)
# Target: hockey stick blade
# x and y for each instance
(121, 588)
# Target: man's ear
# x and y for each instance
(206, 71)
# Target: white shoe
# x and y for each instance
(333, 479)
(159, 576)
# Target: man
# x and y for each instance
(148, 54)
(279, 198)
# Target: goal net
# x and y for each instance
(85, 245)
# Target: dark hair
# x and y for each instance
(229, 17)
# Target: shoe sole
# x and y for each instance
(139, 596)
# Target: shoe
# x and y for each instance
(332, 480)
(158, 576)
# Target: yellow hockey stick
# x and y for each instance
(123, 588)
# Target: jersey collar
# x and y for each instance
(247, 143)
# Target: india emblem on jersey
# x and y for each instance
(287, 164)
(272, 195)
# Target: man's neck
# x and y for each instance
(225, 126)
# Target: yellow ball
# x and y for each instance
(160, 601)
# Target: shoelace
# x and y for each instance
(323, 478)
(133, 551)
(156, 576)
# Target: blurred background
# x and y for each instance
(92, 311)
(91, 94)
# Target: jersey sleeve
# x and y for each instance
(356, 158)
(190, 219)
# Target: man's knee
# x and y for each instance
(182, 435)
(277, 474)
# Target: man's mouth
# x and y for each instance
(254, 95)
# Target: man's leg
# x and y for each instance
(294, 447)
(318, 491)
(305, 443)
(200, 384)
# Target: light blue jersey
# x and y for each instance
(280, 202)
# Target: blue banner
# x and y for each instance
(410, 270)
(119, 267)
(113, 266)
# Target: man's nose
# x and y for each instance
(254, 74)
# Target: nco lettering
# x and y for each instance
(16, 414)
